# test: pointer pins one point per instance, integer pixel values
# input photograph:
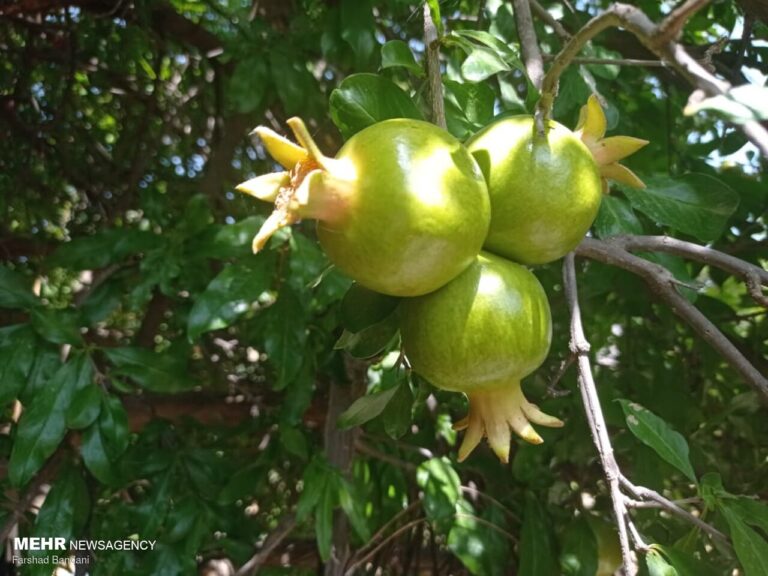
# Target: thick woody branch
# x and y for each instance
(754, 276)
(662, 283)
(432, 50)
(658, 39)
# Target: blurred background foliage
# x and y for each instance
(166, 384)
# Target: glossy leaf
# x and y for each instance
(537, 553)
(366, 408)
(15, 291)
(616, 217)
(658, 435)
(442, 489)
(157, 372)
(102, 249)
(43, 424)
(85, 407)
(362, 308)
(230, 295)
(18, 347)
(481, 64)
(285, 337)
(658, 566)
(57, 326)
(364, 99)
(695, 204)
(751, 547)
(397, 54)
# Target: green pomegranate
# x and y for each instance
(402, 209)
(480, 335)
(546, 189)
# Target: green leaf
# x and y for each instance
(85, 407)
(18, 347)
(616, 217)
(684, 563)
(294, 83)
(230, 294)
(483, 550)
(248, 83)
(468, 107)
(751, 548)
(740, 104)
(358, 29)
(481, 64)
(43, 423)
(324, 521)
(658, 566)
(371, 341)
(294, 442)
(442, 489)
(396, 53)
(164, 372)
(397, 414)
(226, 241)
(362, 308)
(537, 552)
(113, 422)
(57, 326)
(579, 555)
(751, 511)
(366, 408)
(94, 453)
(15, 291)
(696, 204)
(658, 435)
(352, 503)
(506, 52)
(285, 336)
(314, 481)
(102, 249)
(63, 514)
(365, 99)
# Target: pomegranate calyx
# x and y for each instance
(494, 412)
(607, 151)
(313, 185)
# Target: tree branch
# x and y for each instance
(658, 40)
(529, 45)
(580, 346)
(283, 530)
(754, 276)
(432, 49)
(661, 281)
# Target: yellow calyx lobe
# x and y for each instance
(494, 412)
(607, 151)
(312, 186)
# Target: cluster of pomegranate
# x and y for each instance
(407, 210)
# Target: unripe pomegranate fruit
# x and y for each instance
(481, 334)
(402, 209)
(545, 189)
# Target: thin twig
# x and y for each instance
(660, 280)
(548, 19)
(658, 39)
(412, 524)
(492, 500)
(529, 45)
(616, 61)
(275, 538)
(580, 347)
(432, 49)
(651, 495)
